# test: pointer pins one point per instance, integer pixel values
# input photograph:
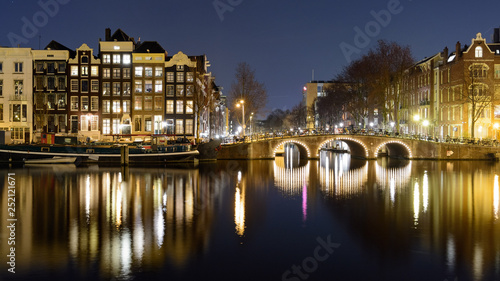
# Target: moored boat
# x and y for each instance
(97, 154)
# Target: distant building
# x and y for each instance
(16, 93)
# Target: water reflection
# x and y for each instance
(423, 218)
(111, 223)
(339, 177)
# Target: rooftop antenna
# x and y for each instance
(312, 75)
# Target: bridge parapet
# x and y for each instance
(360, 146)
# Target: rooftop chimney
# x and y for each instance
(445, 54)
(496, 35)
(457, 49)
(107, 34)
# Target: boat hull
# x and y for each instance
(93, 155)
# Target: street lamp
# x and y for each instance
(242, 104)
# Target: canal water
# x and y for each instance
(335, 218)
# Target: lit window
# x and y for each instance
(126, 73)
(170, 90)
(180, 90)
(158, 86)
(116, 106)
(116, 89)
(179, 108)
(85, 103)
(148, 103)
(180, 77)
(106, 88)
(138, 87)
(158, 71)
(179, 126)
(116, 58)
(479, 52)
(94, 71)
(106, 58)
(116, 73)
(158, 103)
(94, 123)
(106, 106)
(189, 126)
(170, 106)
(85, 71)
(74, 85)
(18, 87)
(84, 123)
(189, 77)
(94, 87)
(126, 88)
(94, 103)
(74, 103)
(189, 106)
(126, 106)
(148, 72)
(138, 71)
(148, 86)
(170, 77)
(138, 103)
(126, 59)
(74, 70)
(180, 67)
(106, 73)
(106, 126)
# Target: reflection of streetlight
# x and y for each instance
(371, 124)
(425, 123)
(416, 117)
(341, 124)
(242, 104)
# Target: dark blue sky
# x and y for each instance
(282, 40)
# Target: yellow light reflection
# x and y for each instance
(496, 197)
(239, 211)
(416, 203)
(425, 191)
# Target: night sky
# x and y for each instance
(282, 40)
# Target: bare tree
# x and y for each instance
(475, 93)
(248, 89)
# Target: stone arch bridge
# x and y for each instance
(360, 146)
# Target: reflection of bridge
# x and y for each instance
(361, 146)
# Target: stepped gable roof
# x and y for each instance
(54, 45)
(150, 47)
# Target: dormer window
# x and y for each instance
(479, 52)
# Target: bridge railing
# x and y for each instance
(420, 137)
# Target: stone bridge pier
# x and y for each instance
(360, 146)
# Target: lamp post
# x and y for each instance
(242, 104)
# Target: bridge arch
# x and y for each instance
(303, 148)
(395, 148)
(357, 147)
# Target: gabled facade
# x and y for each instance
(181, 74)
(116, 83)
(50, 92)
(16, 95)
(148, 94)
(84, 94)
